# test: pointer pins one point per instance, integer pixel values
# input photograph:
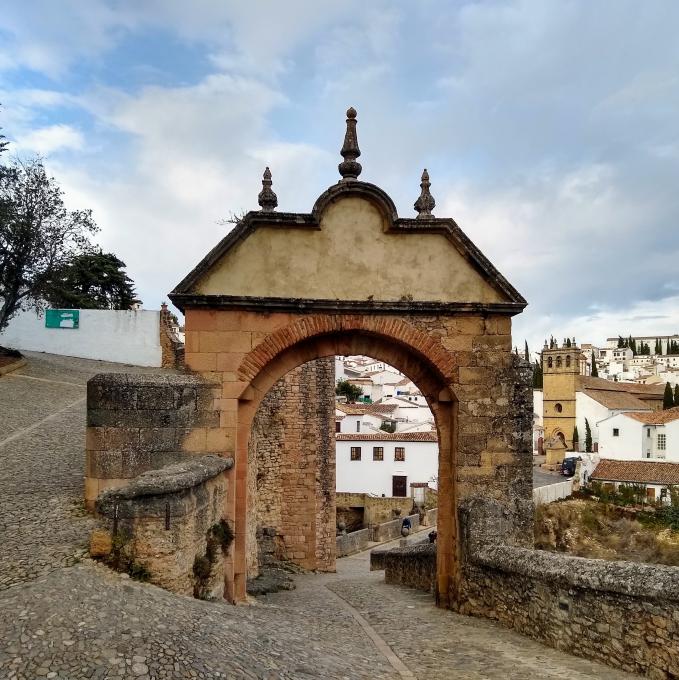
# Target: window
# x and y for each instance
(338, 426)
(616, 432)
(558, 362)
(661, 442)
(648, 431)
(358, 426)
(355, 453)
(399, 454)
(558, 408)
(378, 453)
(568, 361)
(549, 362)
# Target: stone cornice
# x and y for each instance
(399, 307)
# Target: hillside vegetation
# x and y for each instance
(591, 528)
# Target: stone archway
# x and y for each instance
(352, 339)
(351, 277)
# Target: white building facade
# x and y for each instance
(386, 464)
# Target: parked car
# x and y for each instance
(568, 466)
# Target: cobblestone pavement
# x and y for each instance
(42, 430)
(66, 617)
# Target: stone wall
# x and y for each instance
(291, 471)
(413, 566)
(137, 423)
(353, 542)
(388, 531)
(163, 520)
(376, 509)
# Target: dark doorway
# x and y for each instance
(398, 486)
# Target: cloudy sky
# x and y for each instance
(550, 130)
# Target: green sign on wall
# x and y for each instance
(62, 318)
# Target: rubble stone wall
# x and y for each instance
(163, 519)
(291, 470)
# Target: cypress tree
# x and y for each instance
(668, 397)
(595, 371)
(537, 375)
(588, 437)
(621, 342)
(526, 353)
(658, 349)
(676, 394)
(575, 439)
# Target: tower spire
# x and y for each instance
(425, 203)
(267, 199)
(350, 168)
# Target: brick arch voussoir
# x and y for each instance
(309, 327)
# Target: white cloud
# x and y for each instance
(47, 140)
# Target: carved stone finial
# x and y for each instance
(350, 168)
(425, 203)
(267, 199)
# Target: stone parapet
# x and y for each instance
(140, 422)
(353, 542)
(388, 531)
(413, 566)
(167, 525)
(624, 614)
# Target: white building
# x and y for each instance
(385, 464)
(640, 435)
(656, 476)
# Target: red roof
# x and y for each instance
(636, 471)
(388, 437)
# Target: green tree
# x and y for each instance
(38, 235)
(657, 349)
(668, 397)
(676, 394)
(526, 353)
(537, 375)
(621, 342)
(588, 437)
(346, 389)
(92, 281)
(575, 439)
(3, 144)
(595, 370)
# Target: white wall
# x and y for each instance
(593, 411)
(627, 445)
(538, 405)
(129, 337)
(369, 476)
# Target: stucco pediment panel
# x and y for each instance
(351, 248)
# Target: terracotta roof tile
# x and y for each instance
(360, 409)
(637, 471)
(616, 400)
(642, 391)
(656, 417)
(388, 437)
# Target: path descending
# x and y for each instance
(63, 616)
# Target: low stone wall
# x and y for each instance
(348, 544)
(430, 517)
(376, 509)
(162, 522)
(624, 614)
(137, 423)
(413, 566)
(388, 531)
